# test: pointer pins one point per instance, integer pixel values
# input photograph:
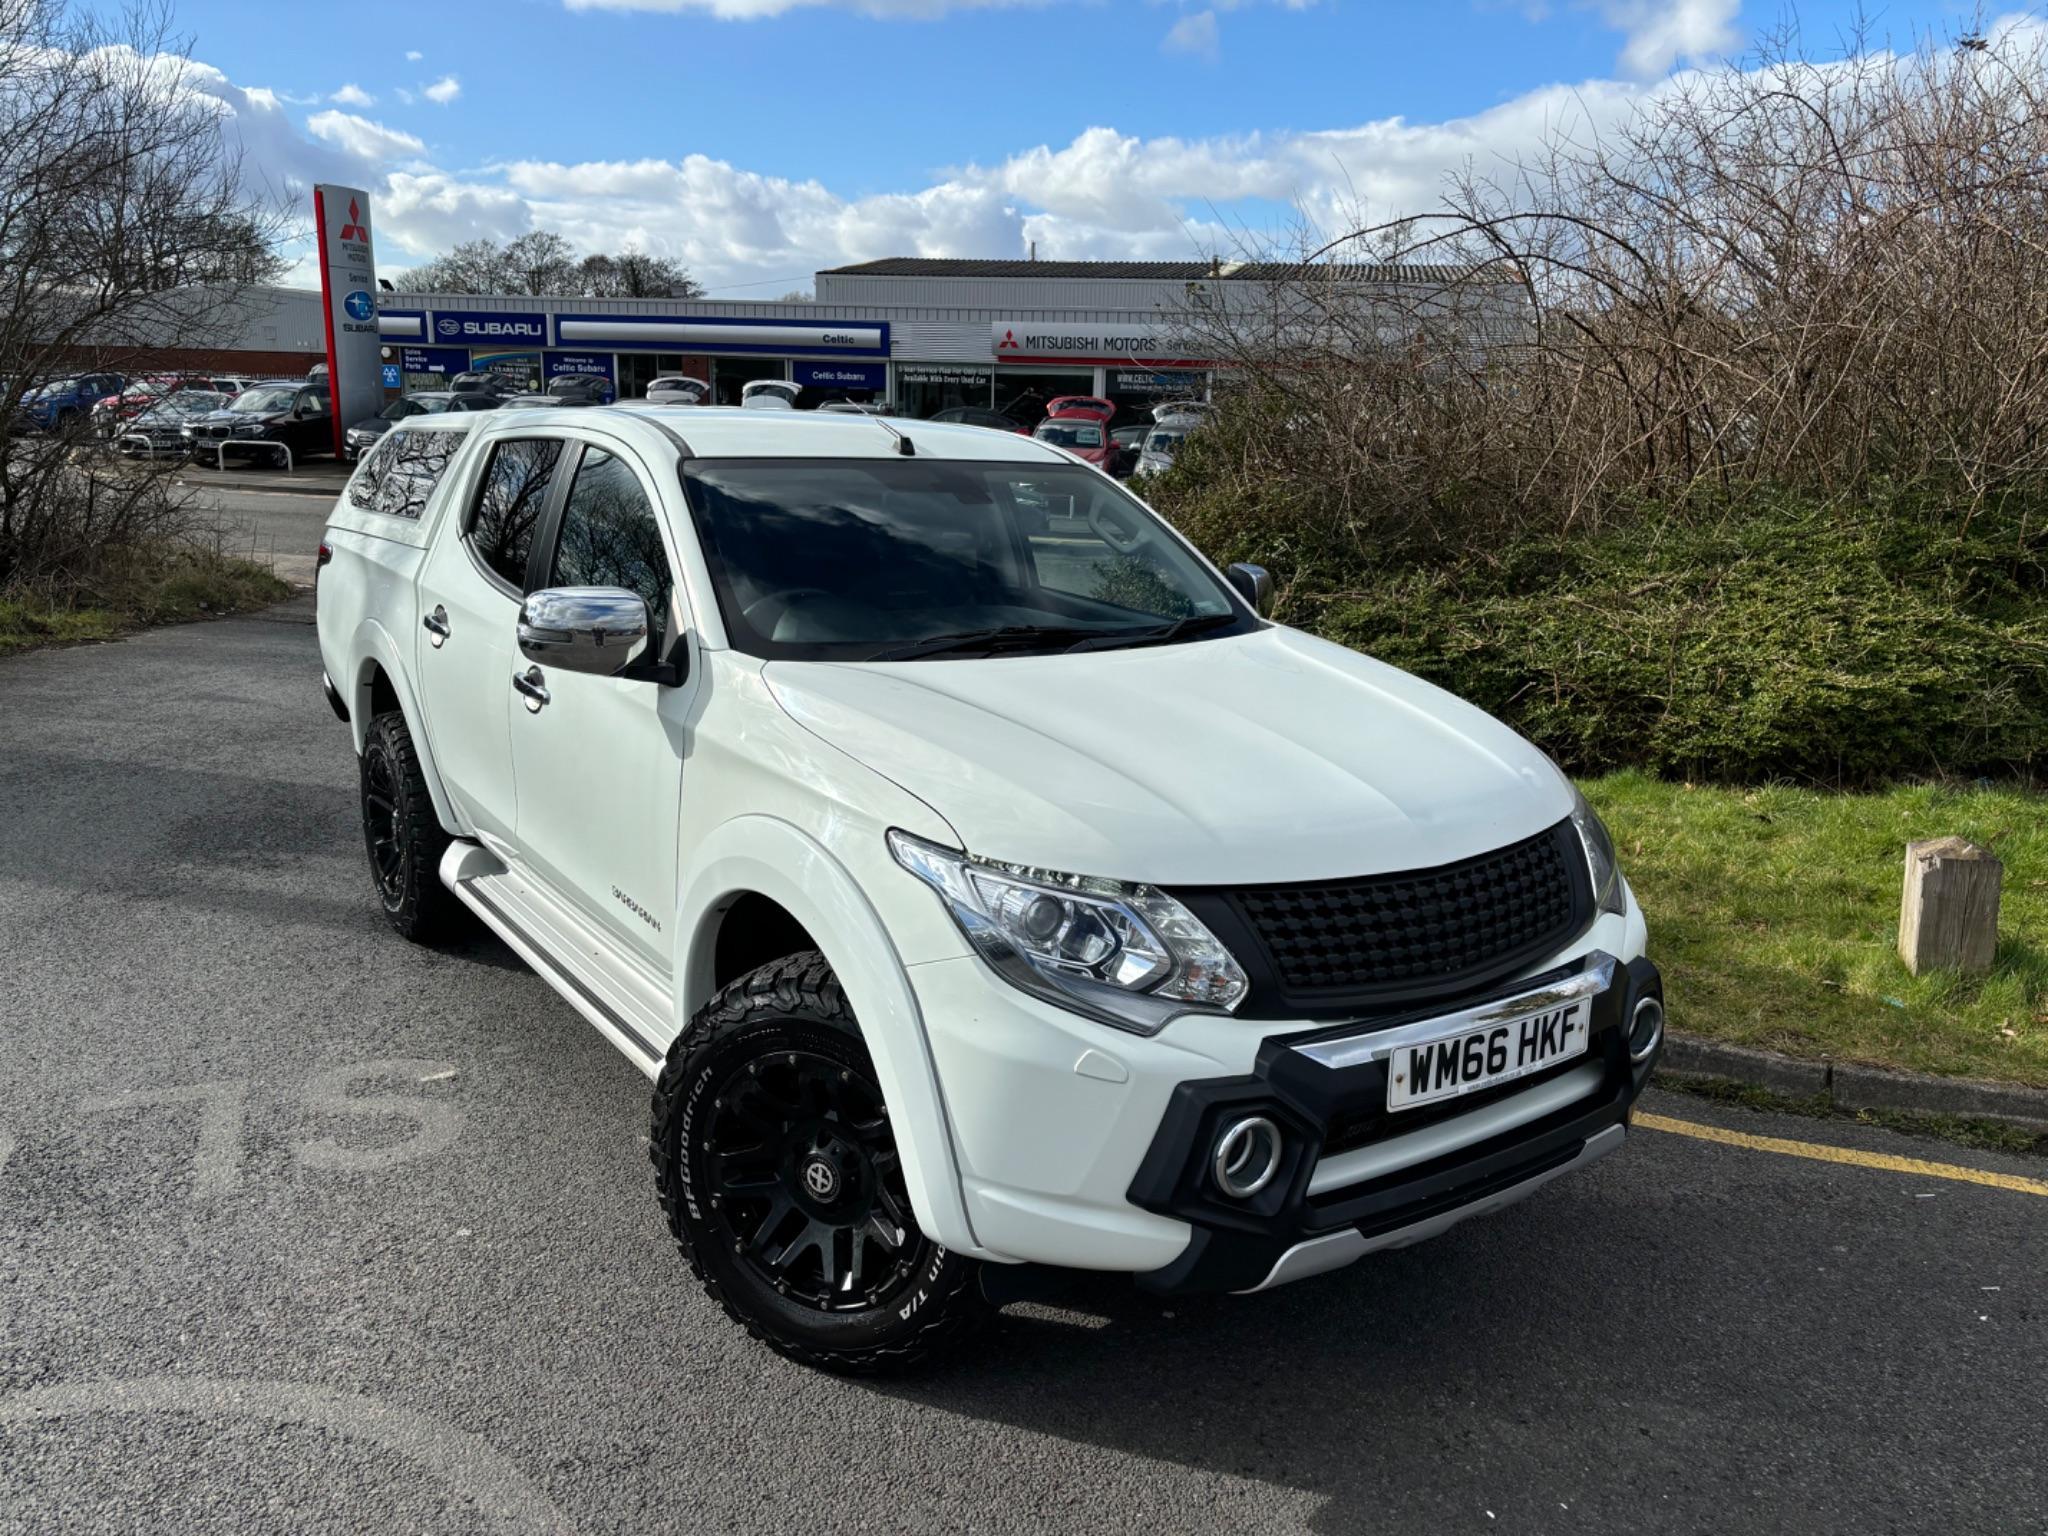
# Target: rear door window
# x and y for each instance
(509, 504)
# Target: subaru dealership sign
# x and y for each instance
(348, 276)
(869, 376)
(722, 333)
(488, 327)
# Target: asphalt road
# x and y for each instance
(303, 1229)
(265, 516)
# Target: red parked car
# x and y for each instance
(1092, 406)
(1086, 437)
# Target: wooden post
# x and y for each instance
(1949, 917)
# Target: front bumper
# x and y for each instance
(1354, 1177)
(1081, 1147)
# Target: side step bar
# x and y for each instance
(481, 882)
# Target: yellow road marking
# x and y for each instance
(1825, 1154)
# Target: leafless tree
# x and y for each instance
(124, 224)
(543, 262)
(1826, 277)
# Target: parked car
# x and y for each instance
(421, 402)
(973, 898)
(981, 416)
(295, 415)
(678, 389)
(62, 403)
(770, 394)
(1161, 443)
(582, 389)
(1183, 410)
(142, 394)
(482, 381)
(1092, 406)
(1130, 442)
(159, 430)
(1084, 436)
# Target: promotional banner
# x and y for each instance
(348, 285)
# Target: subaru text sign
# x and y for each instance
(488, 327)
(1057, 341)
(348, 278)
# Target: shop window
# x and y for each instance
(923, 390)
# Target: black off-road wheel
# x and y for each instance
(779, 1174)
(402, 834)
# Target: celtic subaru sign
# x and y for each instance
(488, 327)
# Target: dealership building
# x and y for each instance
(926, 335)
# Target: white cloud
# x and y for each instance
(443, 90)
(413, 55)
(362, 138)
(1661, 33)
(353, 95)
(1195, 33)
(1101, 193)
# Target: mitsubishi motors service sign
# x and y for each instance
(348, 285)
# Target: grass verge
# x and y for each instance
(1985, 1135)
(154, 587)
(1774, 915)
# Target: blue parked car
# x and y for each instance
(62, 402)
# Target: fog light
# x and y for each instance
(1645, 1030)
(1247, 1157)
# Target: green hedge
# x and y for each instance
(1772, 640)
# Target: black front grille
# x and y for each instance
(1421, 932)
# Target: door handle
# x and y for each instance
(529, 683)
(436, 624)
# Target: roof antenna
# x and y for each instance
(903, 444)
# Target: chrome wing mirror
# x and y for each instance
(600, 631)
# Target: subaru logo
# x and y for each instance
(448, 327)
(358, 305)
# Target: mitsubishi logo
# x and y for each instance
(1009, 340)
(354, 229)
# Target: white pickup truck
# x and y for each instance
(987, 887)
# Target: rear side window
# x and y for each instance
(409, 466)
(610, 537)
(509, 505)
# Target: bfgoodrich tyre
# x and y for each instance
(402, 834)
(779, 1173)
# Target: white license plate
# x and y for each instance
(1431, 1070)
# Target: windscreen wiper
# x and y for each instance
(982, 639)
(1193, 624)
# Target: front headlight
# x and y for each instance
(1600, 860)
(1126, 955)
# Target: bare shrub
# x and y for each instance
(1817, 277)
(124, 223)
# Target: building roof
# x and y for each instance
(1162, 271)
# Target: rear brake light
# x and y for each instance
(320, 560)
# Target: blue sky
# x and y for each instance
(758, 139)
